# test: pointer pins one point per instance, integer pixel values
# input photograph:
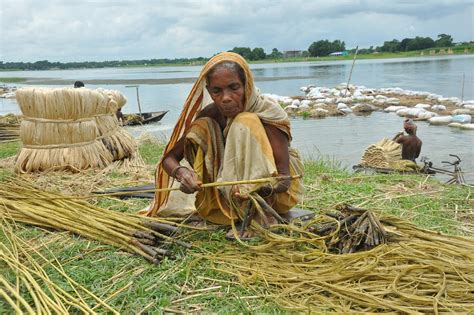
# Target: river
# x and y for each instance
(338, 138)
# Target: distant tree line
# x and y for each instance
(316, 49)
(47, 65)
(417, 43)
(325, 47)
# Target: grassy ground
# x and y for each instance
(187, 284)
(12, 80)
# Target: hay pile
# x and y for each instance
(70, 129)
(382, 154)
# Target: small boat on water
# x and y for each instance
(142, 118)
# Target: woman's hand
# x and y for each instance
(188, 179)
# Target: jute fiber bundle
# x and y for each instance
(116, 96)
(59, 131)
(382, 154)
(119, 142)
(9, 128)
(416, 272)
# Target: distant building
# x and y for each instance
(339, 53)
(292, 53)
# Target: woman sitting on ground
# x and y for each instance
(227, 131)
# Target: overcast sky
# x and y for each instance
(96, 30)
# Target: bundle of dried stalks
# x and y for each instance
(34, 291)
(382, 154)
(354, 230)
(417, 271)
(143, 236)
(117, 140)
(58, 130)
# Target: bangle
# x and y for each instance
(175, 170)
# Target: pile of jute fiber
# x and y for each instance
(63, 129)
(417, 271)
(119, 142)
(9, 128)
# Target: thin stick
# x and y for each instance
(206, 185)
(350, 73)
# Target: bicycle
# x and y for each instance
(457, 175)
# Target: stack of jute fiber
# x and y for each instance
(59, 130)
(382, 154)
(9, 128)
(119, 142)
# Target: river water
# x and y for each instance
(339, 138)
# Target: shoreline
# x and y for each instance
(53, 81)
(380, 56)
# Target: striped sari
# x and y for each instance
(212, 160)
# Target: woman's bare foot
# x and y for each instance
(249, 234)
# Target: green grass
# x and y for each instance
(12, 80)
(9, 149)
(189, 284)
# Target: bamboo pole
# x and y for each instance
(352, 68)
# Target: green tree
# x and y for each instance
(258, 54)
(275, 54)
(325, 47)
(243, 51)
(390, 46)
(444, 40)
(418, 43)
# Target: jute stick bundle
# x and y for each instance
(35, 291)
(133, 233)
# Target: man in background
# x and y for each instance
(78, 84)
(411, 144)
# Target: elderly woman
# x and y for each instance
(227, 131)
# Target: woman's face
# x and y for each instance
(227, 91)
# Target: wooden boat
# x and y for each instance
(143, 118)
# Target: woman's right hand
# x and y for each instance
(189, 180)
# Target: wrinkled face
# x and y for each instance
(227, 91)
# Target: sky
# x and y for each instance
(98, 30)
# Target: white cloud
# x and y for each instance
(141, 29)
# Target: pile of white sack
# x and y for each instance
(343, 99)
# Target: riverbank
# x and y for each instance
(435, 51)
(190, 283)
